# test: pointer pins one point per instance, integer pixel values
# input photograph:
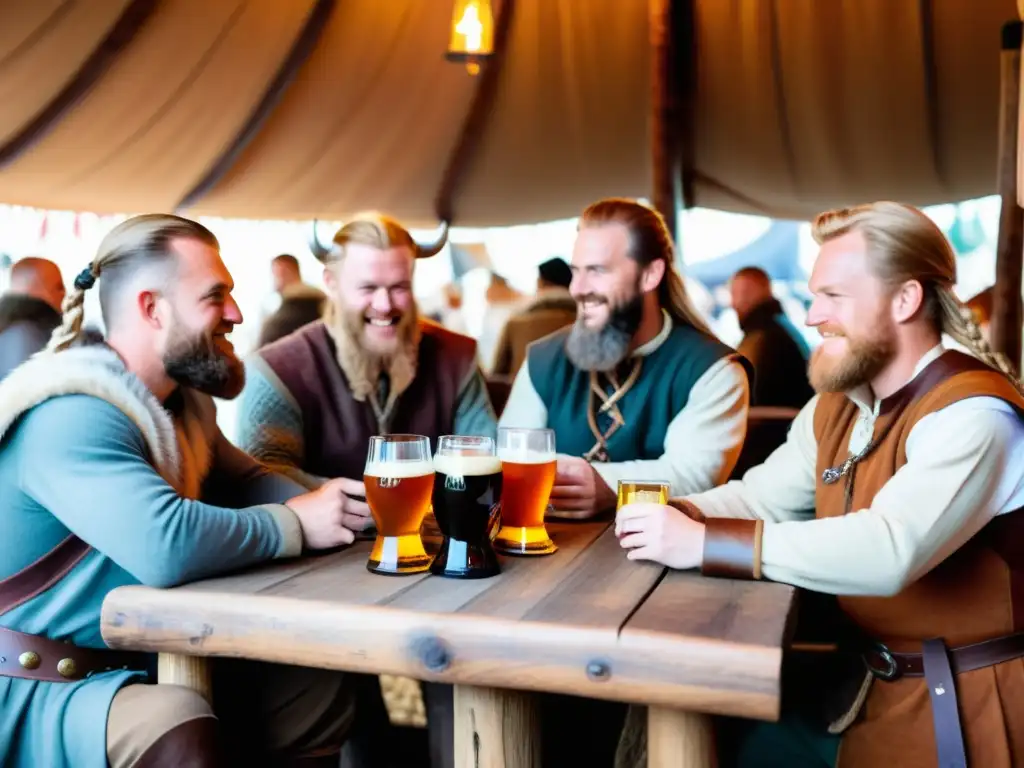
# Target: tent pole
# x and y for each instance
(666, 114)
(1007, 310)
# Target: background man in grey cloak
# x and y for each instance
(29, 310)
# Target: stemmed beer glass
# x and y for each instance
(528, 475)
(467, 487)
(399, 477)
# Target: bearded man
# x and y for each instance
(113, 472)
(899, 491)
(315, 398)
(638, 388)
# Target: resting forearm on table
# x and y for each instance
(115, 501)
(948, 490)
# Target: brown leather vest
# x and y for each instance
(977, 592)
(336, 427)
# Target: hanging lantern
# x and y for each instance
(472, 36)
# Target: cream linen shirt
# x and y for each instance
(965, 465)
(702, 442)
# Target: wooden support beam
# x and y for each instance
(496, 728)
(666, 157)
(1007, 310)
(475, 124)
(673, 107)
(189, 671)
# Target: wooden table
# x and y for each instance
(584, 621)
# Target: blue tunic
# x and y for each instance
(77, 464)
(662, 391)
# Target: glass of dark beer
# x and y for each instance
(528, 474)
(399, 476)
(467, 488)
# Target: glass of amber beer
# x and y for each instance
(632, 491)
(467, 488)
(399, 476)
(528, 474)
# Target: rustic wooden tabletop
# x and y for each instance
(583, 621)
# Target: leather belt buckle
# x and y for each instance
(881, 662)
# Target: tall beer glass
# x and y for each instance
(467, 488)
(528, 474)
(399, 475)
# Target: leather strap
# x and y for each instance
(37, 577)
(32, 657)
(949, 739)
(891, 666)
(732, 548)
(195, 743)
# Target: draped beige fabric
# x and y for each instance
(801, 105)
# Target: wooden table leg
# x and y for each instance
(190, 671)
(679, 739)
(496, 728)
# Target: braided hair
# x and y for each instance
(904, 244)
(137, 242)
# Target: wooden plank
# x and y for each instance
(718, 642)
(346, 580)
(517, 599)
(454, 648)
(253, 580)
(522, 582)
(740, 612)
(602, 589)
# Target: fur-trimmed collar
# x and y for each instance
(180, 446)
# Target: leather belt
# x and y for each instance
(889, 666)
(32, 657)
(939, 666)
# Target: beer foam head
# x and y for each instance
(398, 469)
(465, 465)
(525, 456)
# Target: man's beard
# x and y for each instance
(602, 349)
(194, 360)
(363, 363)
(866, 356)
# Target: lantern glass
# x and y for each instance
(472, 33)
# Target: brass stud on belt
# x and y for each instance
(30, 660)
(66, 668)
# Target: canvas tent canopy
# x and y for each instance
(319, 108)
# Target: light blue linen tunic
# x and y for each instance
(77, 464)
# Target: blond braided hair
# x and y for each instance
(904, 244)
(73, 311)
(134, 243)
(958, 322)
